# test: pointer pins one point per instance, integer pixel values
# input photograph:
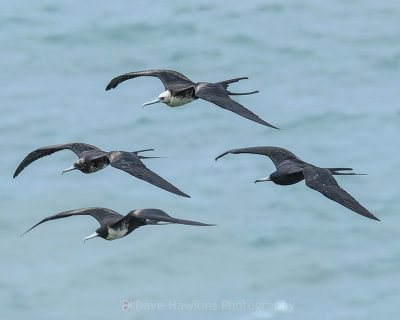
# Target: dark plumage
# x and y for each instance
(290, 170)
(180, 90)
(114, 225)
(92, 159)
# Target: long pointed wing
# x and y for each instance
(102, 215)
(167, 77)
(322, 181)
(131, 164)
(216, 94)
(80, 149)
(153, 216)
(282, 158)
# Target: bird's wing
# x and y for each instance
(153, 216)
(321, 179)
(216, 94)
(279, 156)
(131, 164)
(102, 215)
(80, 149)
(167, 77)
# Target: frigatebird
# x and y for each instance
(92, 159)
(114, 225)
(180, 90)
(290, 169)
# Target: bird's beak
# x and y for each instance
(94, 235)
(69, 169)
(263, 179)
(152, 102)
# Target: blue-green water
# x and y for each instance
(328, 75)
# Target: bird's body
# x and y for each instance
(180, 90)
(115, 226)
(92, 159)
(290, 170)
(285, 179)
(122, 230)
(93, 164)
(178, 99)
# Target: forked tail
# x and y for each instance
(144, 157)
(241, 94)
(334, 171)
(226, 83)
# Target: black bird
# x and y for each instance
(92, 159)
(180, 90)
(290, 170)
(114, 225)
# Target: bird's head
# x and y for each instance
(276, 177)
(78, 165)
(164, 97)
(263, 179)
(272, 177)
(101, 232)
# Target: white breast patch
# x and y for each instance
(179, 101)
(118, 233)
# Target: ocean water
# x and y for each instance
(328, 75)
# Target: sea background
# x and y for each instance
(328, 75)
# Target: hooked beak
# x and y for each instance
(152, 102)
(94, 235)
(263, 179)
(69, 169)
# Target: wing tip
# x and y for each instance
(373, 217)
(17, 171)
(178, 192)
(222, 154)
(269, 125)
(110, 86)
(22, 234)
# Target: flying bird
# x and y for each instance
(290, 169)
(114, 225)
(92, 159)
(180, 90)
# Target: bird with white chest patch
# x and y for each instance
(115, 226)
(92, 159)
(180, 90)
